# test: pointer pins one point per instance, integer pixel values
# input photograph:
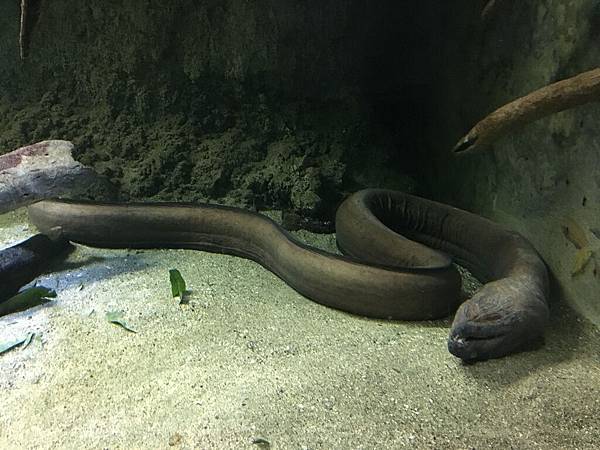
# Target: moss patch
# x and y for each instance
(257, 105)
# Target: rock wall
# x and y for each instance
(543, 179)
(265, 103)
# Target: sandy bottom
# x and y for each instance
(249, 361)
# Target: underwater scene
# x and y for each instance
(346, 224)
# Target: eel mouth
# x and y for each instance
(465, 144)
(473, 340)
(475, 348)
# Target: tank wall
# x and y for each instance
(543, 178)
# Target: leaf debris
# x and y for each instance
(26, 299)
(6, 346)
(178, 287)
(117, 317)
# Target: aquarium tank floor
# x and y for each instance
(249, 363)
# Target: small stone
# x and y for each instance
(175, 439)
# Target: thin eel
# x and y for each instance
(569, 93)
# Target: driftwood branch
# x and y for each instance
(23, 29)
(29, 174)
(488, 10)
(578, 90)
(23, 262)
(43, 170)
(30, 11)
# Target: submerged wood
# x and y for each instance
(23, 262)
(32, 173)
(43, 170)
(30, 11)
(578, 90)
(488, 10)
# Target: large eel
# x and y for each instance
(382, 275)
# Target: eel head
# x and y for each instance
(504, 316)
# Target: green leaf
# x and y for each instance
(28, 340)
(116, 317)
(27, 299)
(177, 283)
(261, 442)
(6, 346)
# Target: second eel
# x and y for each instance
(390, 268)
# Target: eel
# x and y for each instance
(565, 94)
(396, 263)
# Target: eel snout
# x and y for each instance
(499, 319)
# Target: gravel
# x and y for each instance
(249, 363)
